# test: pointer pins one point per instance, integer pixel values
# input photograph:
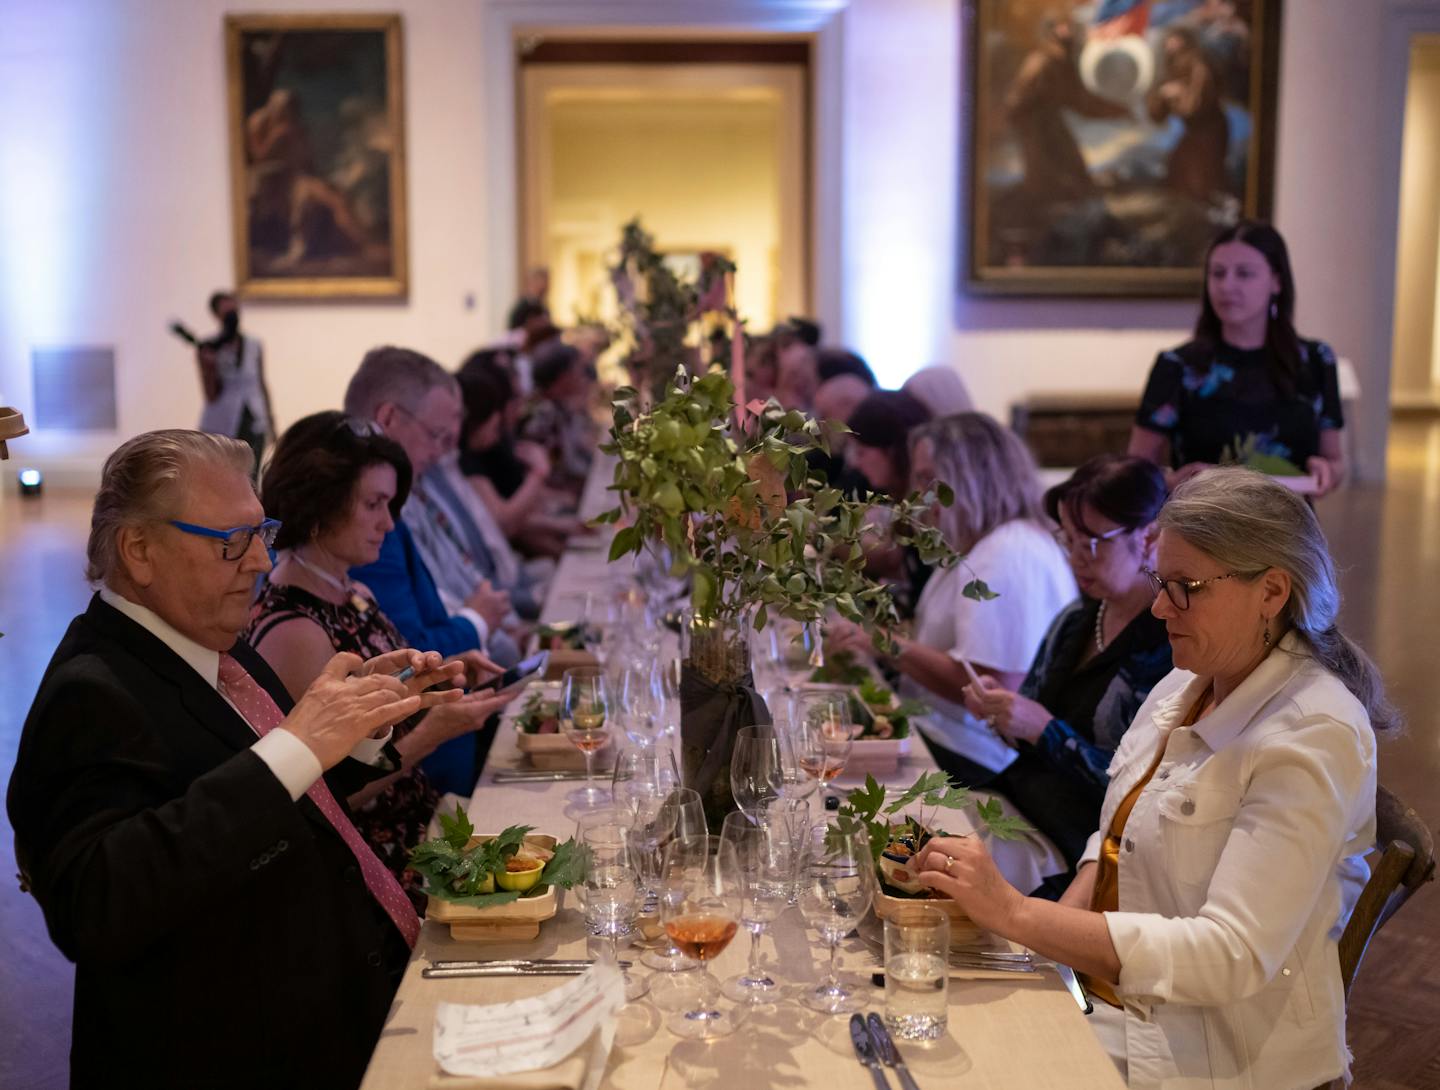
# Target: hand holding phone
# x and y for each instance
(533, 665)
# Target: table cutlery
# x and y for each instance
(1067, 977)
(865, 1050)
(526, 775)
(888, 1053)
(557, 967)
(481, 963)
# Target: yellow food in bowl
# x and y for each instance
(520, 874)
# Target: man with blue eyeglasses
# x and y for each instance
(182, 822)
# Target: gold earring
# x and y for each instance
(1267, 633)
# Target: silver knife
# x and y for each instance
(889, 1054)
(1067, 977)
(483, 963)
(525, 775)
(503, 970)
(865, 1049)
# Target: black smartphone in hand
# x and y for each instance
(535, 664)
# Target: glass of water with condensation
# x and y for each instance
(917, 972)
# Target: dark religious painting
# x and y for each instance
(317, 155)
(1110, 140)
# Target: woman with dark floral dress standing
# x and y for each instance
(337, 484)
(1247, 384)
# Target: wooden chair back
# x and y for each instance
(1407, 862)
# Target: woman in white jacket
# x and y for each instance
(1208, 905)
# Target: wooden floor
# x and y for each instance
(1387, 542)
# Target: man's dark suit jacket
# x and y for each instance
(222, 934)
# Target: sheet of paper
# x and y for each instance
(529, 1034)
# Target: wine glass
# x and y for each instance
(756, 772)
(764, 851)
(643, 779)
(839, 882)
(638, 700)
(795, 782)
(583, 706)
(610, 890)
(700, 904)
(823, 732)
(685, 813)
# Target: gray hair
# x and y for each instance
(399, 375)
(1248, 523)
(990, 471)
(144, 481)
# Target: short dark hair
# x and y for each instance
(1125, 489)
(884, 420)
(552, 362)
(485, 392)
(523, 311)
(802, 329)
(311, 477)
(830, 362)
(215, 297)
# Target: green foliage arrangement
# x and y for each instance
(456, 870)
(1246, 452)
(741, 510)
(658, 308)
(865, 806)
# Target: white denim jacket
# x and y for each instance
(1239, 866)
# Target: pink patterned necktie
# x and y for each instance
(263, 715)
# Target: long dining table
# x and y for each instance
(1005, 1030)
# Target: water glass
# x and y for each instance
(917, 972)
(611, 889)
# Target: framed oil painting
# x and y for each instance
(1110, 140)
(317, 155)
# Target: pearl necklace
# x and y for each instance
(1100, 627)
(357, 601)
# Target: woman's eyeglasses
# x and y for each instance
(1088, 545)
(236, 540)
(1179, 590)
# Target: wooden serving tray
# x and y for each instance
(963, 930)
(518, 921)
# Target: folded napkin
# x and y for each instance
(558, 1040)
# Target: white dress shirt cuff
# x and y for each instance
(367, 750)
(482, 630)
(294, 765)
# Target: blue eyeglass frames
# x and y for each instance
(236, 539)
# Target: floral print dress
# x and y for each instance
(395, 820)
(1211, 400)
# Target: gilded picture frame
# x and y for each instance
(1108, 141)
(317, 156)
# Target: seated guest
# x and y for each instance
(940, 389)
(835, 400)
(416, 402)
(878, 446)
(182, 822)
(336, 486)
(557, 417)
(762, 369)
(833, 362)
(997, 521)
(1247, 377)
(1100, 659)
(1231, 846)
(508, 474)
(797, 376)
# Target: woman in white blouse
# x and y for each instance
(1207, 908)
(998, 522)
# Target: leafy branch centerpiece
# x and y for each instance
(729, 496)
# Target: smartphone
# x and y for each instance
(535, 664)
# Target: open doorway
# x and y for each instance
(1415, 372)
(706, 141)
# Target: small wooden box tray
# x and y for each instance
(518, 921)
